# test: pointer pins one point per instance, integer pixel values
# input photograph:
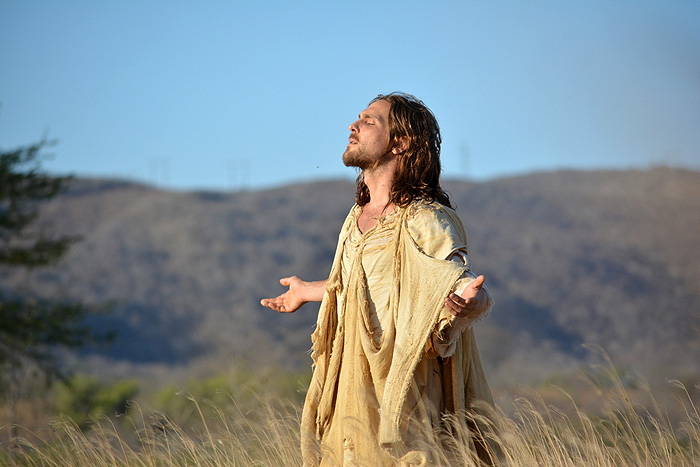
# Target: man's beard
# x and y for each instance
(360, 159)
(356, 158)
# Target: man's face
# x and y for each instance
(369, 137)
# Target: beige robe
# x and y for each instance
(386, 364)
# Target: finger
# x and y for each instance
(457, 304)
(478, 282)
(285, 281)
(460, 312)
(457, 299)
(451, 307)
(279, 307)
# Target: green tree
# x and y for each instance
(84, 399)
(31, 327)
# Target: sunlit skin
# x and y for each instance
(368, 143)
(370, 149)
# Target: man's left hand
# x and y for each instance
(470, 303)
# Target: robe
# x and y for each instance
(386, 366)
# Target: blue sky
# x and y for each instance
(225, 95)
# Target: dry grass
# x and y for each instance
(533, 434)
(233, 438)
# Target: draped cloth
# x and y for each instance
(382, 370)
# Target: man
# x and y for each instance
(393, 349)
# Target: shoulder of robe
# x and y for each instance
(435, 228)
(350, 218)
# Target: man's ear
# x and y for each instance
(400, 145)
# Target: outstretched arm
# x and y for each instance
(299, 292)
(472, 302)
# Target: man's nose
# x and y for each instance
(353, 126)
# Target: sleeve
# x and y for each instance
(438, 232)
(449, 328)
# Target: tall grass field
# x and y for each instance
(264, 431)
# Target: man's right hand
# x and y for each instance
(299, 293)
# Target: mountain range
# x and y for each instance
(576, 261)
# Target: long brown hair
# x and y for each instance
(418, 171)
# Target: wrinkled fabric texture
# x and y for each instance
(389, 360)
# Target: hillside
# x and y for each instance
(605, 258)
